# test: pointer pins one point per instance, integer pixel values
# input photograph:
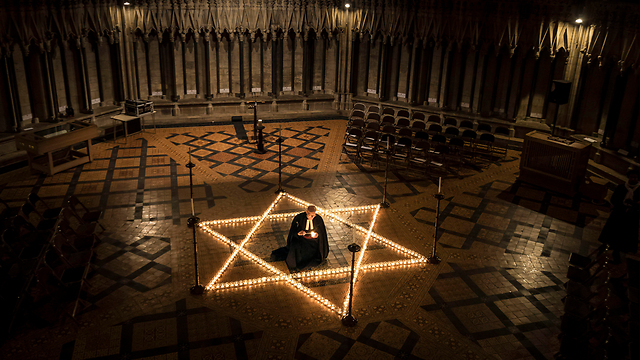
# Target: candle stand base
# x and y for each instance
(349, 321)
(197, 290)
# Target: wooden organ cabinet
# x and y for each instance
(553, 163)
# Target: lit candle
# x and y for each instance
(259, 122)
(439, 184)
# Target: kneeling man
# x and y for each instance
(307, 241)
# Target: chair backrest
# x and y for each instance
(487, 137)
(388, 119)
(451, 122)
(389, 111)
(372, 134)
(373, 126)
(501, 130)
(418, 125)
(373, 116)
(403, 122)
(456, 142)
(469, 134)
(419, 116)
(422, 135)
(484, 127)
(405, 141)
(357, 123)
(389, 129)
(374, 109)
(434, 119)
(422, 145)
(357, 114)
(355, 132)
(435, 128)
(405, 132)
(441, 148)
(360, 107)
(466, 124)
(439, 138)
(452, 131)
(403, 113)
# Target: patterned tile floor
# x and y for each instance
(496, 295)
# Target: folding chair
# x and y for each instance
(81, 211)
(42, 208)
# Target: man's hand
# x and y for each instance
(301, 233)
(314, 234)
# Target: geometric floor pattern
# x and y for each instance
(496, 294)
(490, 303)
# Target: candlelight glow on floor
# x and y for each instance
(294, 279)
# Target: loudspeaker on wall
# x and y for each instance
(560, 90)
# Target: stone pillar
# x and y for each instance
(85, 89)
(12, 91)
(105, 72)
(48, 81)
(68, 75)
(331, 72)
(256, 65)
(405, 71)
(223, 65)
(157, 87)
(207, 66)
(91, 59)
(394, 76)
(298, 64)
(436, 75)
(235, 63)
(288, 53)
(469, 76)
(363, 66)
(375, 53)
(267, 64)
(413, 79)
(513, 90)
(189, 67)
(319, 63)
(479, 78)
(177, 78)
(22, 86)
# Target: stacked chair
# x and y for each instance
(600, 318)
(46, 260)
(449, 143)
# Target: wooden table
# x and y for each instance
(50, 150)
(131, 124)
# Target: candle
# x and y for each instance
(439, 184)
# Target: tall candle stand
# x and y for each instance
(260, 147)
(434, 259)
(349, 319)
(196, 289)
(280, 140)
(384, 202)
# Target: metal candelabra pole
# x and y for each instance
(350, 320)
(384, 202)
(434, 259)
(280, 140)
(255, 121)
(196, 289)
(260, 146)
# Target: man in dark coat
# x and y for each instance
(621, 229)
(307, 241)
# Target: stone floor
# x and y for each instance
(496, 295)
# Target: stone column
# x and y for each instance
(68, 76)
(85, 88)
(319, 63)
(223, 65)
(436, 75)
(363, 66)
(405, 71)
(298, 64)
(48, 81)
(256, 67)
(157, 86)
(207, 66)
(189, 67)
(21, 73)
(267, 64)
(480, 72)
(394, 76)
(105, 72)
(469, 75)
(12, 91)
(288, 52)
(235, 63)
(177, 78)
(331, 71)
(374, 67)
(413, 79)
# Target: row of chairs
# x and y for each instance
(47, 253)
(600, 317)
(404, 118)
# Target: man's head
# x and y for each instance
(633, 176)
(311, 212)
